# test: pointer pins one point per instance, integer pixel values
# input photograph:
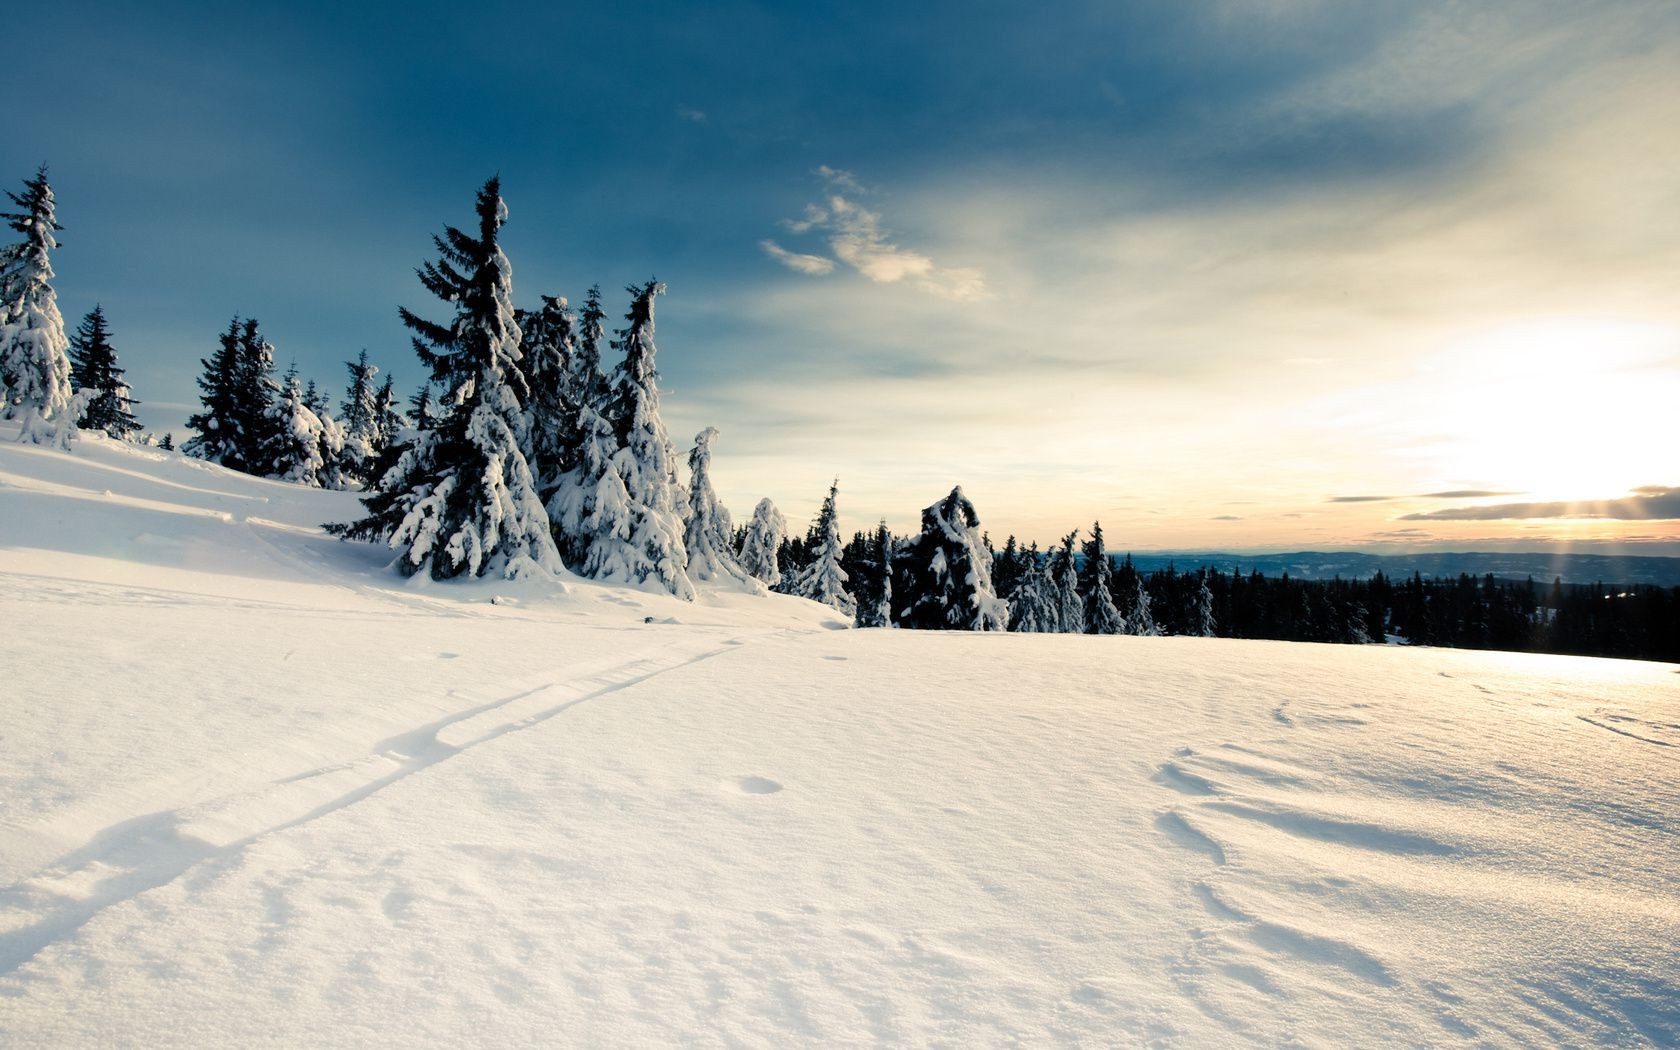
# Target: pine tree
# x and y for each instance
(218, 439)
(1139, 620)
(388, 420)
(168, 442)
(1201, 608)
(552, 412)
(823, 580)
(93, 363)
(876, 590)
(34, 361)
(313, 399)
(1034, 609)
(621, 509)
(259, 391)
(461, 500)
(710, 554)
(1101, 616)
(359, 416)
(1064, 581)
(762, 542)
(294, 450)
(943, 577)
(589, 382)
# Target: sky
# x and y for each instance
(1236, 276)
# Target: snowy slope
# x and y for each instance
(256, 791)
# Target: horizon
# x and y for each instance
(1226, 280)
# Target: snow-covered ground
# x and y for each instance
(256, 791)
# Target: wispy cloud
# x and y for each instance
(858, 238)
(1653, 503)
(1359, 499)
(1470, 494)
(816, 265)
(689, 113)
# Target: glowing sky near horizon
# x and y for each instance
(1236, 276)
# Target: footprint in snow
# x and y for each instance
(755, 785)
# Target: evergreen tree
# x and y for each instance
(1201, 608)
(1139, 619)
(387, 418)
(313, 399)
(425, 417)
(943, 577)
(761, 543)
(295, 438)
(1101, 617)
(1035, 608)
(168, 442)
(1064, 581)
(34, 361)
(621, 508)
(460, 499)
(93, 363)
(359, 417)
(218, 439)
(589, 382)
(876, 609)
(823, 580)
(710, 553)
(258, 417)
(552, 412)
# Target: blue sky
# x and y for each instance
(1200, 270)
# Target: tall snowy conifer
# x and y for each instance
(295, 438)
(258, 418)
(823, 580)
(34, 360)
(875, 600)
(1201, 607)
(460, 500)
(218, 439)
(425, 410)
(621, 509)
(762, 542)
(943, 577)
(551, 413)
(711, 555)
(359, 416)
(388, 419)
(93, 363)
(1034, 607)
(1064, 578)
(1101, 616)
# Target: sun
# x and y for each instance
(1559, 409)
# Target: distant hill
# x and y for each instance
(1322, 565)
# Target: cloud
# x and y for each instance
(1653, 503)
(1227, 517)
(691, 114)
(1469, 494)
(859, 239)
(1359, 499)
(815, 265)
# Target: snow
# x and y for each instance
(258, 790)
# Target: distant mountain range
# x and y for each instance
(1321, 565)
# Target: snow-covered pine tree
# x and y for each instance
(551, 413)
(331, 474)
(875, 599)
(388, 419)
(823, 580)
(1034, 608)
(93, 366)
(621, 508)
(1201, 607)
(710, 555)
(313, 399)
(1133, 599)
(460, 500)
(424, 411)
(295, 438)
(762, 542)
(589, 382)
(1101, 616)
(34, 360)
(259, 420)
(943, 577)
(218, 439)
(168, 442)
(359, 417)
(1064, 579)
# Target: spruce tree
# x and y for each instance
(823, 580)
(761, 543)
(359, 416)
(552, 412)
(1101, 616)
(621, 508)
(1134, 599)
(313, 399)
(168, 442)
(710, 554)
(875, 590)
(294, 433)
(93, 363)
(1201, 607)
(425, 412)
(1064, 579)
(943, 577)
(218, 439)
(460, 499)
(34, 360)
(1034, 607)
(259, 391)
(388, 420)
